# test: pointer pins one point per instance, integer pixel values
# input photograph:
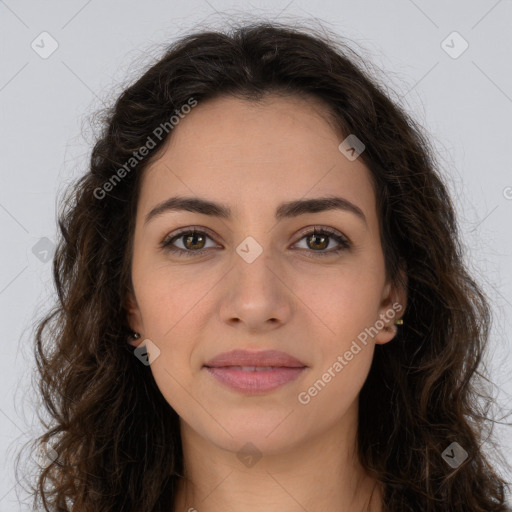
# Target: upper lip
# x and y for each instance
(255, 358)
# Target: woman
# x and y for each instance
(263, 303)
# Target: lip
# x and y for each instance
(255, 358)
(228, 369)
(255, 382)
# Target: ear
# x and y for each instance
(393, 304)
(134, 318)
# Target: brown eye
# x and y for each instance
(196, 241)
(318, 240)
(193, 243)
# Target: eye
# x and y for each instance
(194, 241)
(320, 237)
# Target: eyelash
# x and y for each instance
(166, 244)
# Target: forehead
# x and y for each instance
(249, 154)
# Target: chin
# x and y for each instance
(267, 436)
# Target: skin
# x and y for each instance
(253, 157)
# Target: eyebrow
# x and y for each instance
(285, 210)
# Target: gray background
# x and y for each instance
(464, 101)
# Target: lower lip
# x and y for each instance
(254, 382)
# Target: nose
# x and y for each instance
(257, 295)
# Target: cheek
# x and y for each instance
(169, 320)
(341, 301)
(341, 331)
(172, 305)
(344, 312)
(345, 306)
(331, 393)
(170, 294)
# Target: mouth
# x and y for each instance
(254, 380)
(250, 360)
(254, 372)
(251, 368)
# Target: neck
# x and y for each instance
(319, 474)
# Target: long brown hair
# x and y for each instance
(116, 439)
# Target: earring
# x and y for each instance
(399, 321)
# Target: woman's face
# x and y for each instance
(263, 282)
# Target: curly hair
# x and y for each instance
(116, 439)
